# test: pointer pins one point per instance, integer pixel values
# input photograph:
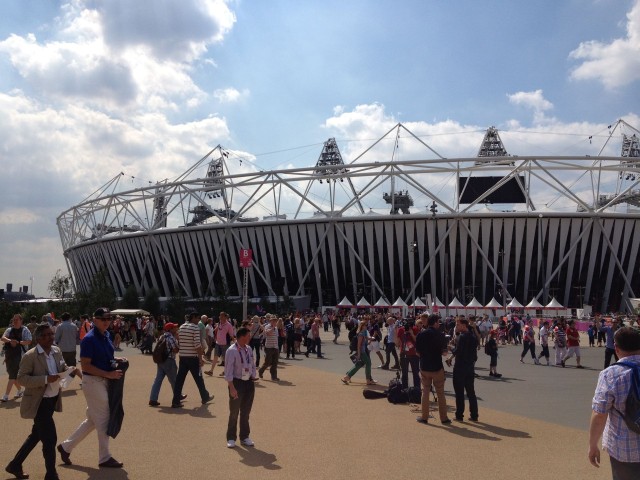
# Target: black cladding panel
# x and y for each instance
(471, 188)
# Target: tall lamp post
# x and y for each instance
(414, 247)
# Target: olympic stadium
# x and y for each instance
(399, 219)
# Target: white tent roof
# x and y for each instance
(514, 304)
(455, 303)
(129, 311)
(362, 303)
(493, 304)
(418, 304)
(438, 303)
(381, 303)
(345, 303)
(474, 303)
(554, 304)
(399, 303)
(534, 305)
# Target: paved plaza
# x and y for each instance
(533, 421)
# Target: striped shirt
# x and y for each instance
(614, 384)
(271, 336)
(189, 339)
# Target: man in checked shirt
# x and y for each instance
(614, 384)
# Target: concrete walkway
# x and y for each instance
(310, 425)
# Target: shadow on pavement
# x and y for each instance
(465, 432)
(503, 432)
(98, 473)
(253, 457)
(199, 412)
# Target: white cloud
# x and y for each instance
(534, 100)
(122, 54)
(177, 31)
(16, 216)
(615, 64)
(230, 95)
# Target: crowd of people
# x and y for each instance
(39, 355)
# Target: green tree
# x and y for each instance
(60, 285)
(100, 294)
(130, 298)
(151, 302)
(176, 306)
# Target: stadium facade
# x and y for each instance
(489, 226)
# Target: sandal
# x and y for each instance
(371, 382)
(345, 381)
(209, 373)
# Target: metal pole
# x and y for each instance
(244, 293)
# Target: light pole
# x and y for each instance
(414, 247)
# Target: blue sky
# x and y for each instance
(91, 88)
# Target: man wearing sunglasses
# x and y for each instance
(98, 366)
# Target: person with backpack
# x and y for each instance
(164, 356)
(615, 408)
(16, 340)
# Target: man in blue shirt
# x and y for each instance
(98, 365)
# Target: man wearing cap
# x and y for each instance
(240, 374)
(168, 368)
(98, 366)
(191, 360)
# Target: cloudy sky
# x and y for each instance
(91, 88)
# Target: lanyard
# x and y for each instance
(247, 352)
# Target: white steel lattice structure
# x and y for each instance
(540, 227)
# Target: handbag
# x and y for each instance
(356, 361)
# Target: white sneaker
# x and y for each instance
(231, 443)
(19, 394)
(247, 442)
(4, 398)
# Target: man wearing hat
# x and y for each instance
(98, 366)
(168, 368)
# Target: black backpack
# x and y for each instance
(14, 352)
(161, 352)
(632, 405)
(395, 392)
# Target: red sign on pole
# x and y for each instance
(246, 257)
